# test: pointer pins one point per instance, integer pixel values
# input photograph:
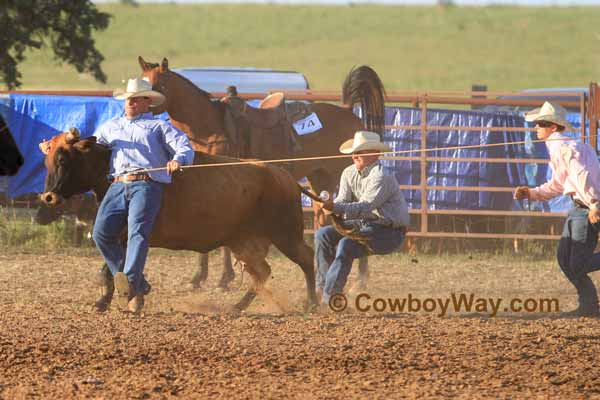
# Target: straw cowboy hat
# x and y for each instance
(550, 112)
(138, 87)
(364, 140)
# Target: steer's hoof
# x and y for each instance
(234, 311)
(196, 282)
(310, 307)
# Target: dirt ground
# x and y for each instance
(185, 345)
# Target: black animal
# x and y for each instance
(11, 158)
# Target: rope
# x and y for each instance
(387, 153)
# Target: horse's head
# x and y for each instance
(74, 166)
(158, 76)
(190, 108)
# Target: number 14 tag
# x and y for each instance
(309, 124)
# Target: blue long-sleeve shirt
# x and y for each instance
(144, 142)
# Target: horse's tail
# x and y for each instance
(363, 86)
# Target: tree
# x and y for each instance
(65, 25)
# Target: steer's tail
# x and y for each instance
(311, 194)
(340, 226)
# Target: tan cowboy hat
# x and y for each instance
(364, 140)
(138, 87)
(550, 112)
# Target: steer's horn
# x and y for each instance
(72, 136)
(45, 146)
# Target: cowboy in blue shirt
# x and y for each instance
(138, 142)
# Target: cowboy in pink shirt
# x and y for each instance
(575, 172)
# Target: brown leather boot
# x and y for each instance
(135, 299)
(136, 303)
(107, 289)
(122, 284)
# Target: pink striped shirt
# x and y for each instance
(575, 171)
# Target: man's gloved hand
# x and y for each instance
(173, 166)
(522, 192)
(327, 206)
(594, 214)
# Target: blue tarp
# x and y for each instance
(33, 118)
(454, 173)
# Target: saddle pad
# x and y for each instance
(307, 125)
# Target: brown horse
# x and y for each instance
(203, 120)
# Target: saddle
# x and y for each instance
(267, 131)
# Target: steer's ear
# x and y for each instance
(87, 143)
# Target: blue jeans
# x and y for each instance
(134, 205)
(335, 253)
(576, 255)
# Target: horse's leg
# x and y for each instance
(202, 273)
(363, 273)
(228, 273)
(78, 232)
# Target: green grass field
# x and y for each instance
(412, 48)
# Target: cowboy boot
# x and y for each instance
(588, 299)
(136, 301)
(107, 289)
(122, 285)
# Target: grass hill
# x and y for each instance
(412, 48)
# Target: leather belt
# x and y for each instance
(132, 178)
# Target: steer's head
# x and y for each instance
(74, 166)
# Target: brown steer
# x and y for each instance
(243, 207)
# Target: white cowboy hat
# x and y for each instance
(138, 87)
(550, 112)
(364, 140)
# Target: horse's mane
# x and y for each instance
(190, 83)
